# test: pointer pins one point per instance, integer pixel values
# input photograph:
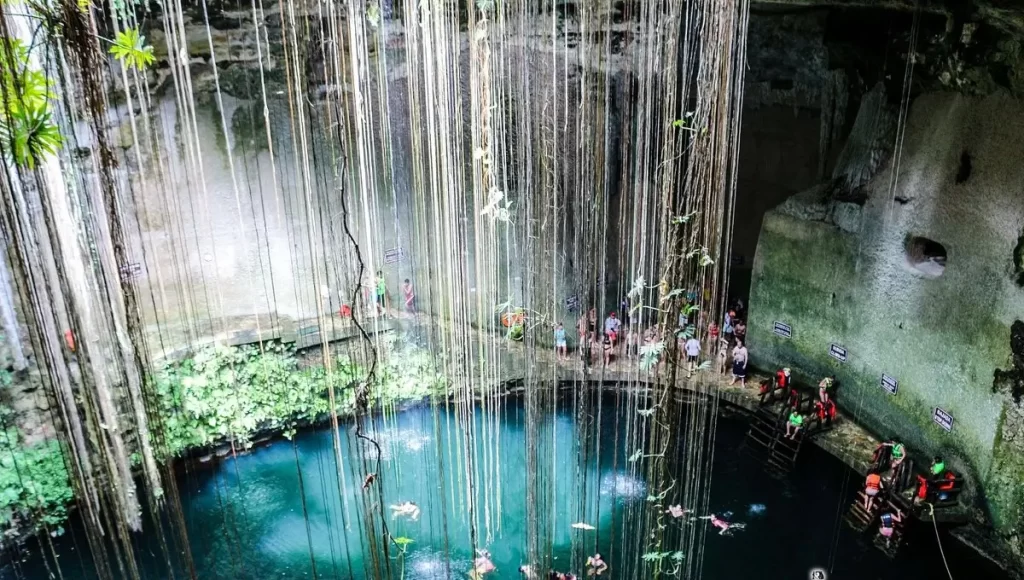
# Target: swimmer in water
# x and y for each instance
(526, 571)
(482, 565)
(677, 511)
(596, 565)
(725, 528)
(406, 509)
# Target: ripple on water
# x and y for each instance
(431, 565)
(393, 441)
(623, 485)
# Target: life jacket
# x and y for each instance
(781, 380)
(69, 339)
(922, 487)
(948, 484)
(897, 451)
(874, 481)
(886, 520)
(829, 409)
(766, 385)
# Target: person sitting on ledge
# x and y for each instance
(795, 423)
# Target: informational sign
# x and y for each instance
(394, 255)
(782, 329)
(837, 352)
(572, 303)
(943, 419)
(131, 271)
(890, 384)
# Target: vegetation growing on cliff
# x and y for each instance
(34, 487)
(220, 394)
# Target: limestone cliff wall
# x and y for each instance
(849, 274)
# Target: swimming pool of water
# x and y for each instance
(282, 512)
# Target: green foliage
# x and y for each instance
(650, 353)
(221, 393)
(34, 486)
(659, 556)
(27, 127)
(224, 392)
(131, 50)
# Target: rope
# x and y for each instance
(938, 540)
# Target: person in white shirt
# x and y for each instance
(611, 327)
(692, 353)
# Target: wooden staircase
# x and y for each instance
(766, 440)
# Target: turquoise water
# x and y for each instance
(277, 512)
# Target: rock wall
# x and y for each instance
(917, 283)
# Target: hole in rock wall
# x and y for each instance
(925, 257)
(964, 172)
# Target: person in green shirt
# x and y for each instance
(382, 293)
(793, 426)
(938, 466)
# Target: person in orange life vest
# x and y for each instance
(872, 487)
(69, 339)
(345, 311)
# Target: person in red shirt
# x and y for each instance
(782, 378)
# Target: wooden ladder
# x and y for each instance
(766, 440)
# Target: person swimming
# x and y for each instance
(725, 527)
(406, 509)
(677, 511)
(482, 565)
(596, 565)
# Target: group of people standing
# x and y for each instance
(601, 341)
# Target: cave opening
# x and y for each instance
(926, 257)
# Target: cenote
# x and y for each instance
(276, 511)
